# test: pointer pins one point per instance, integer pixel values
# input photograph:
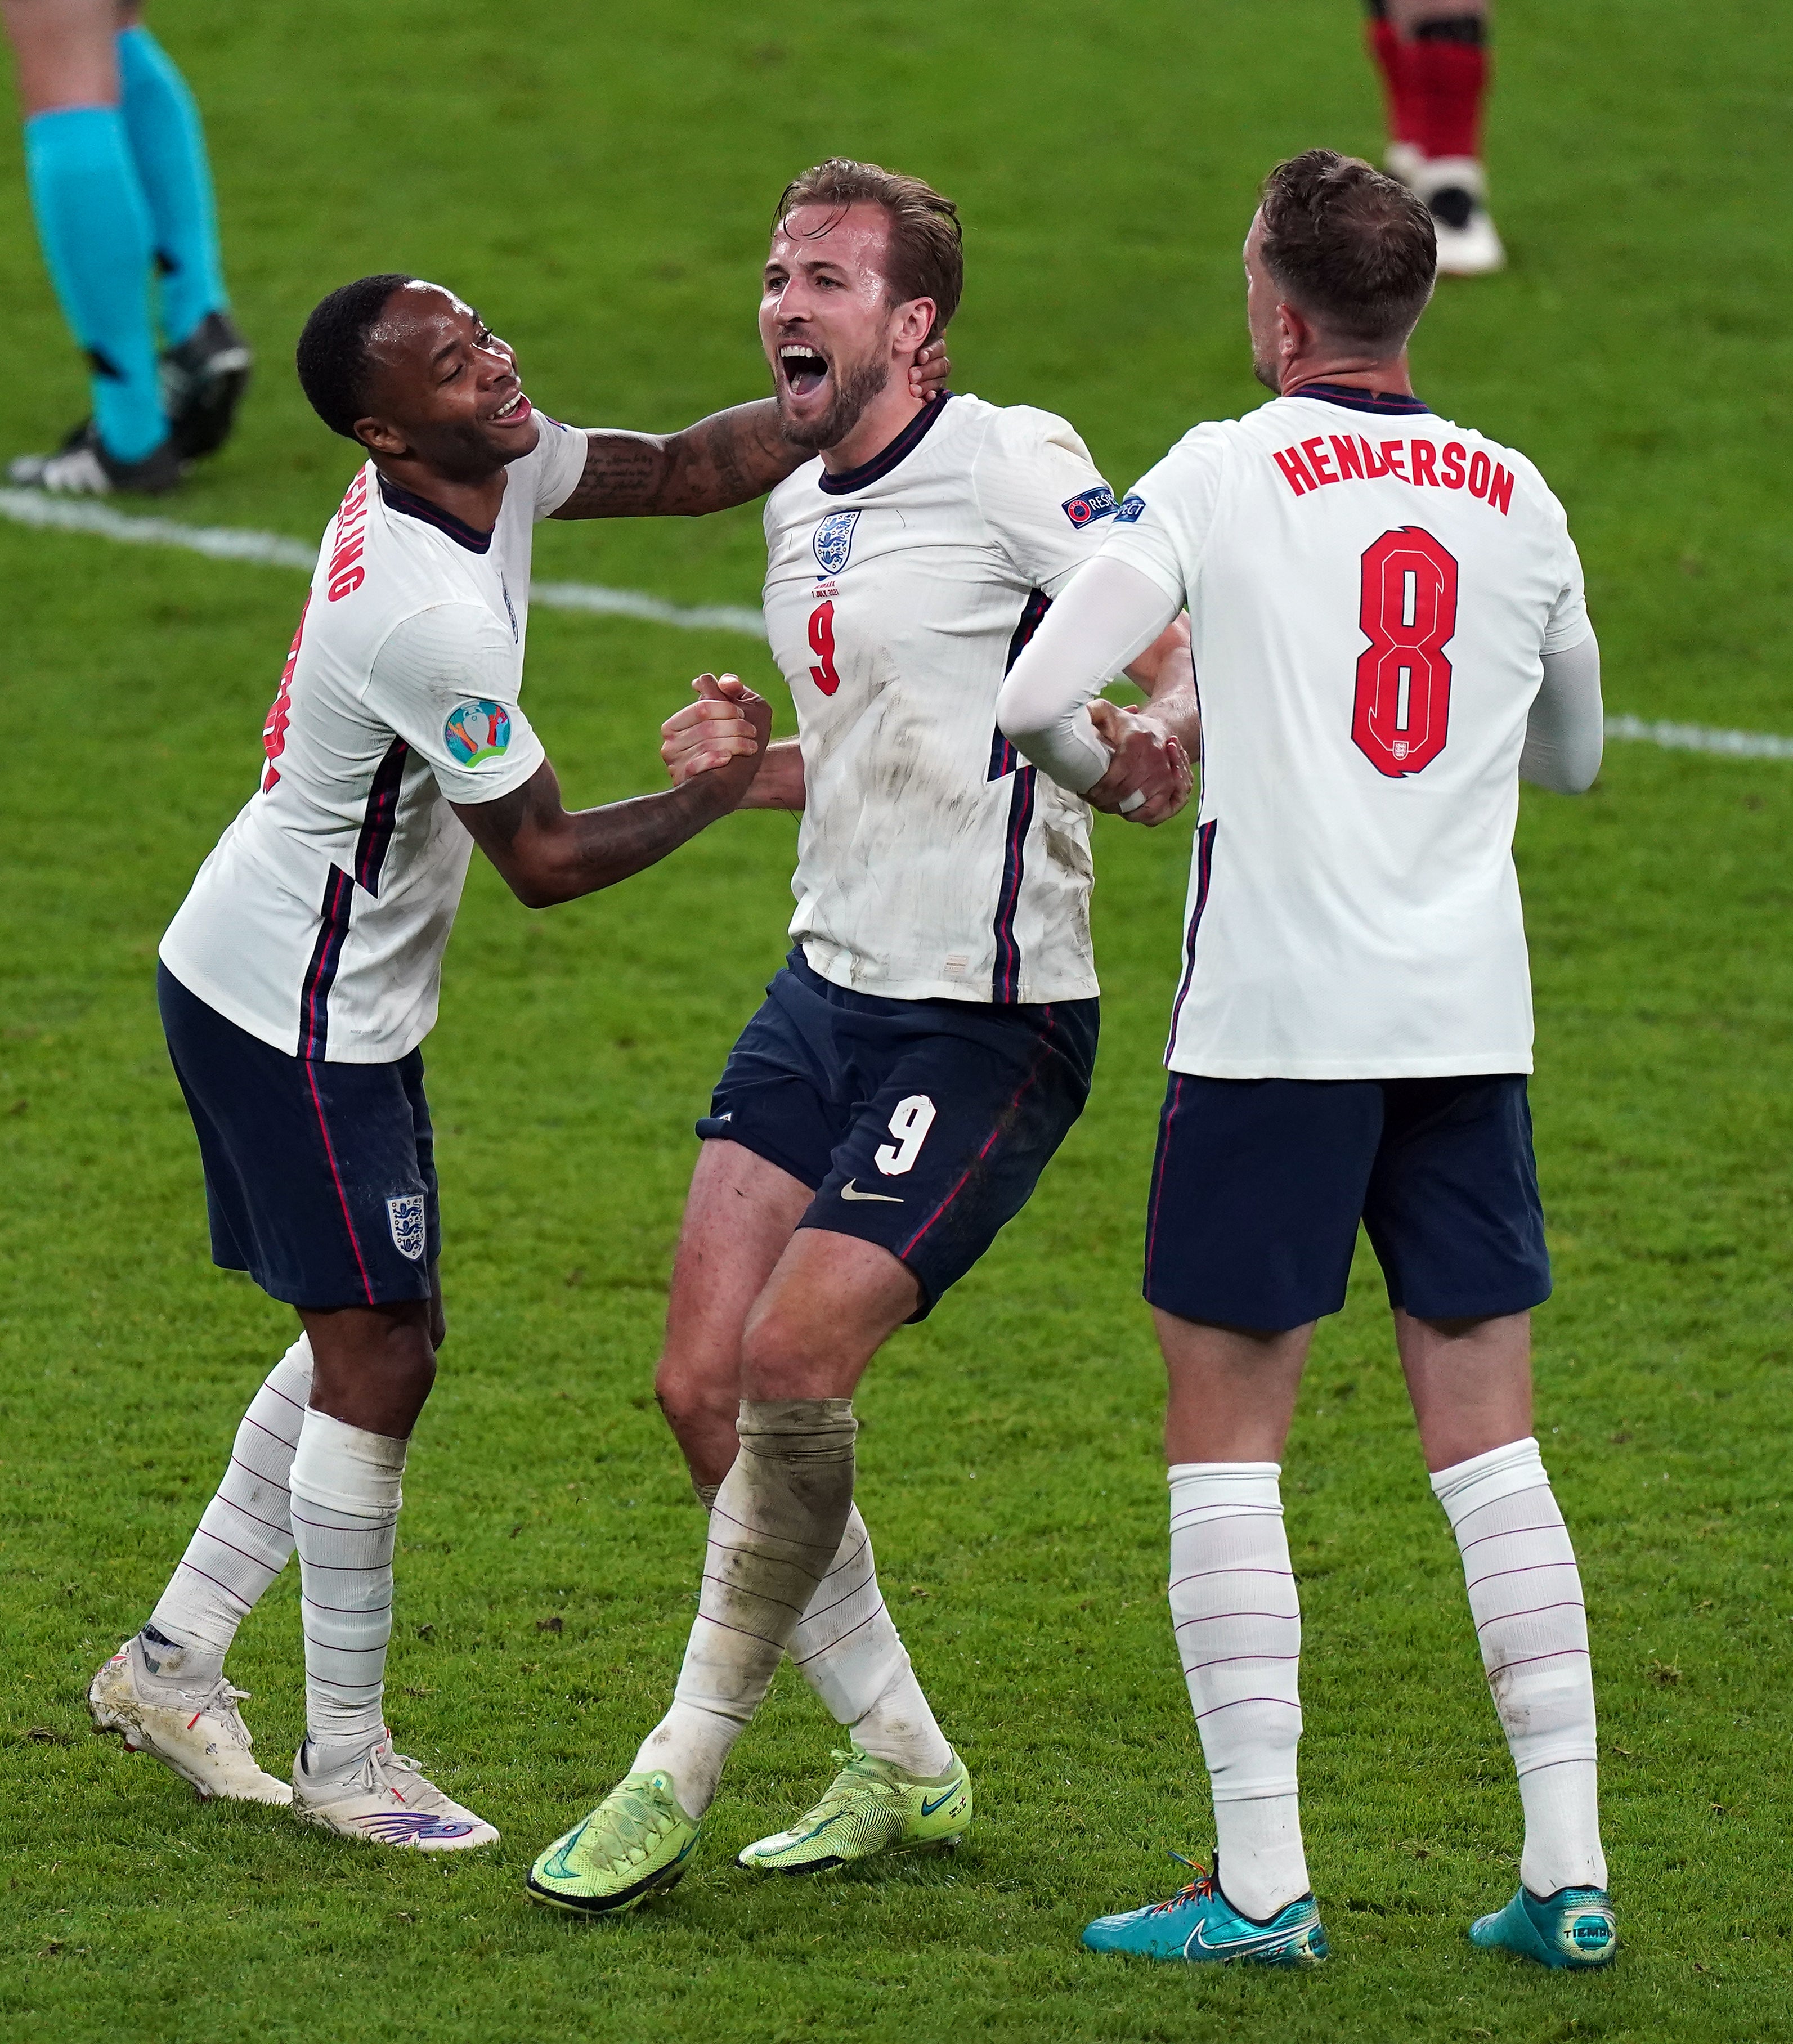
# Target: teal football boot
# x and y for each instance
(1197, 1925)
(1574, 1928)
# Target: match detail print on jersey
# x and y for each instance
(1401, 716)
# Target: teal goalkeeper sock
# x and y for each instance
(93, 226)
(168, 146)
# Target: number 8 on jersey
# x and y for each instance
(1402, 714)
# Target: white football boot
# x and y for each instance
(1456, 189)
(199, 1734)
(384, 1799)
(1404, 161)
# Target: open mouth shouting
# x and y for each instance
(514, 410)
(804, 369)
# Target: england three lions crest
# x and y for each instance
(833, 541)
(406, 1215)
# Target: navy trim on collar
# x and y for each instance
(407, 502)
(1357, 400)
(880, 464)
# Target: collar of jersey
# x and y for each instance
(882, 462)
(1356, 400)
(398, 498)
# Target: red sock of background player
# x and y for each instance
(1387, 51)
(1444, 70)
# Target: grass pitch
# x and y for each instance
(599, 180)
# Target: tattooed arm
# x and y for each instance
(730, 458)
(550, 854)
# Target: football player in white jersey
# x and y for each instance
(929, 1041)
(1389, 630)
(301, 975)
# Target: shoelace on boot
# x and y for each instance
(1200, 1889)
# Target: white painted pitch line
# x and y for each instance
(1700, 738)
(274, 550)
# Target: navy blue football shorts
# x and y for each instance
(922, 1126)
(1260, 1185)
(319, 1178)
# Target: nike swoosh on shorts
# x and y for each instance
(889, 1199)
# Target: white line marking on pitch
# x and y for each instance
(274, 550)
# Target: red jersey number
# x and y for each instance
(280, 710)
(822, 645)
(1402, 714)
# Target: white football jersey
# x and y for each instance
(318, 923)
(933, 862)
(1370, 591)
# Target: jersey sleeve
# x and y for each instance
(1162, 525)
(1568, 623)
(552, 467)
(446, 681)
(1042, 496)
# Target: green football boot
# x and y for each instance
(870, 1806)
(636, 1843)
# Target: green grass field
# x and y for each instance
(599, 180)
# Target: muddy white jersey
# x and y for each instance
(1370, 592)
(319, 922)
(933, 862)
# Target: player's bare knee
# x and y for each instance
(783, 1357)
(686, 1391)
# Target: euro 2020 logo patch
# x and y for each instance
(833, 541)
(406, 1216)
(478, 732)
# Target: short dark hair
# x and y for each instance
(332, 351)
(1355, 249)
(926, 241)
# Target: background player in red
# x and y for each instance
(1432, 56)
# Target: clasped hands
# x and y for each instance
(1148, 777)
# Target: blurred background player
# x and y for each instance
(1432, 56)
(121, 191)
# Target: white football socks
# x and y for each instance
(243, 1539)
(775, 1526)
(1238, 1634)
(346, 1498)
(848, 1648)
(1525, 1595)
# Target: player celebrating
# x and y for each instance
(301, 975)
(929, 1041)
(1389, 627)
